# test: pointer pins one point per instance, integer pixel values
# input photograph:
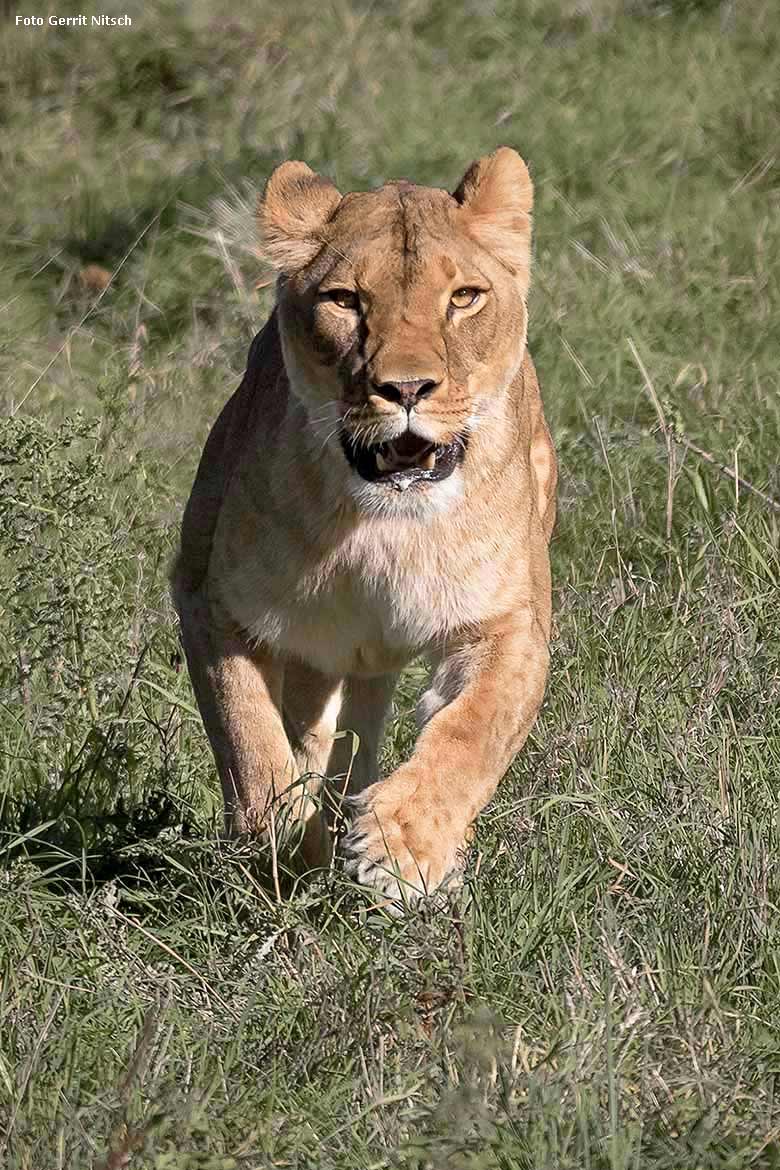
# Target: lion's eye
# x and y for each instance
(345, 298)
(464, 298)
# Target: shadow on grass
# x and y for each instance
(159, 856)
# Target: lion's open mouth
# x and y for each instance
(404, 461)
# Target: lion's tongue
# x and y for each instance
(406, 451)
(408, 444)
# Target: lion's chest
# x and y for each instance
(347, 626)
(368, 609)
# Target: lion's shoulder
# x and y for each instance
(262, 395)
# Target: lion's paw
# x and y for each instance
(402, 845)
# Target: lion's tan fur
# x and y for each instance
(303, 590)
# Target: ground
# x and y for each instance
(605, 991)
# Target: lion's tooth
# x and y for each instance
(429, 462)
(381, 463)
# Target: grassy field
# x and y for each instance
(605, 992)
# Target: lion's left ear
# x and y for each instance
(292, 213)
(496, 195)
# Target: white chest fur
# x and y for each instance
(384, 594)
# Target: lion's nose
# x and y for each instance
(406, 393)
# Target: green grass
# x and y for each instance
(605, 993)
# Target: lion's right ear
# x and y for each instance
(292, 213)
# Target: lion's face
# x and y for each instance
(402, 313)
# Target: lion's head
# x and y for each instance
(402, 313)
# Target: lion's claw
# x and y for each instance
(398, 850)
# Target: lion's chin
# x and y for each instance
(405, 462)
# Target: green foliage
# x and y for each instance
(605, 992)
(81, 556)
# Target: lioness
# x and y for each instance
(380, 486)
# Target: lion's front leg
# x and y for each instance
(411, 827)
(239, 694)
